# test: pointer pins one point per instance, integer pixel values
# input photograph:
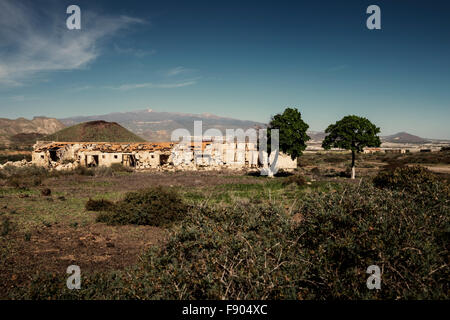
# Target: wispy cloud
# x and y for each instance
(151, 85)
(36, 41)
(177, 70)
(81, 88)
(21, 98)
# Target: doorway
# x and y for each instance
(95, 161)
(163, 159)
(53, 156)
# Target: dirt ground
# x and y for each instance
(93, 248)
(140, 180)
(49, 233)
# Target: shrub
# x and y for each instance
(258, 252)
(98, 205)
(315, 171)
(412, 179)
(154, 206)
(24, 177)
(27, 236)
(403, 233)
(14, 157)
(118, 167)
(5, 226)
(82, 171)
(20, 182)
(295, 179)
(103, 171)
(336, 158)
(345, 174)
(46, 192)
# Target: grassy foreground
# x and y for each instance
(228, 236)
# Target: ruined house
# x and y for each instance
(147, 155)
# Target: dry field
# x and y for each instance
(47, 233)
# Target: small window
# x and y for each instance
(115, 156)
(42, 156)
(153, 156)
(103, 156)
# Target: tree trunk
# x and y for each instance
(353, 164)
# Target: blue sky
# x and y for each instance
(242, 59)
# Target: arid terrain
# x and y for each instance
(43, 233)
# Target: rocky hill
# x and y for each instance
(14, 131)
(404, 137)
(94, 131)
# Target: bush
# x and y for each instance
(24, 182)
(412, 179)
(403, 233)
(46, 192)
(258, 252)
(99, 205)
(103, 171)
(155, 206)
(6, 226)
(345, 174)
(14, 157)
(82, 171)
(33, 170)
(295, 179)
(118, 167)
(336, 158)
(24, 177)
(315, 171)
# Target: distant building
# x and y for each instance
(146, 155)
(395, 151)
(372, 150)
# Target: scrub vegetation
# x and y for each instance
(227, 235)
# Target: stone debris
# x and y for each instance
(21, 163)
(166, 156)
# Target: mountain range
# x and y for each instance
(158, 126)
(21, 129)
(150, 125)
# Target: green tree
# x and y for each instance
(352, 133)
(292, 132)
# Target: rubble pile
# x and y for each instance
(21, 163)
(165, 156)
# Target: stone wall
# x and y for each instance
(180, 156)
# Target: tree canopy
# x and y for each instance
(352, 133)
(292, 132)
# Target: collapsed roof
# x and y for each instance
(109, 147)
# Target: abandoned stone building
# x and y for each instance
(147, 155)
